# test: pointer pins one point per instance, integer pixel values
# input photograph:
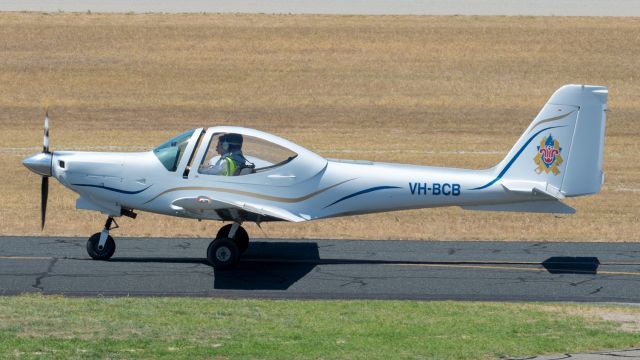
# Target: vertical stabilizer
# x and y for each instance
(561, 151)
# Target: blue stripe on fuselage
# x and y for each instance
(113, 189)
(363, 192)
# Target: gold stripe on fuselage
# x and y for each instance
(247, 193)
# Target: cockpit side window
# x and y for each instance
(170, 152)
(232, 154)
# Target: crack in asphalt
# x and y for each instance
(596, 290)
(619, 355)
(43, 275)
(184, 245)
(346, 280)
(360, 283)
(67, 242)
(578, 283)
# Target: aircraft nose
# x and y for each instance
(39, 163)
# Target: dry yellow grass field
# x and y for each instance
(444, 91)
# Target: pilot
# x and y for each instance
(231, 160)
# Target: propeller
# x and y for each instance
(44, 192)
(45, 141)
(41, 164)
(44, 187)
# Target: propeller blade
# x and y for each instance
(44, 190)
(45, 145)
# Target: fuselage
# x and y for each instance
(308, 185)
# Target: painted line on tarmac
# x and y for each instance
(514, 268)
(26, 258)
(463, 265)
(418, 262)
(617, 273)
(473, 267)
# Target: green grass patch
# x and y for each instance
(57, 327)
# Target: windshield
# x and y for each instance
(170, 152)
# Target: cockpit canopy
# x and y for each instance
(264, 158)
(260, 154)
(252, 153)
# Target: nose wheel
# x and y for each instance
(224, 251)
(101, 245)
(101, 254)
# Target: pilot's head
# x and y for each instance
(229, 142)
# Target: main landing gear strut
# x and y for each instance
(224, 251)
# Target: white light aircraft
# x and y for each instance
(243, 175)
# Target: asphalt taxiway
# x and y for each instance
(336, 269)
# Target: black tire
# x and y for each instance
(106, 253)
(223, 254)
(241, 239)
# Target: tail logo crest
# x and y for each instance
(548, 157)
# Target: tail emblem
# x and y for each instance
(548, 157)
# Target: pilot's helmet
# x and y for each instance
(231, 141)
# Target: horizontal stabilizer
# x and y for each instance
(543, 206)
(542, 191)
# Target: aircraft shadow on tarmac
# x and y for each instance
(572, 265)
(278, 265)
(270, 266)
(265, 265)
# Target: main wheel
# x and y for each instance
(106, 253)
(241, 239)
(223, 254)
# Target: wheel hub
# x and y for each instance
(223, 254)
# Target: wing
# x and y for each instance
(228, 209)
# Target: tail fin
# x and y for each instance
(561, 151)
